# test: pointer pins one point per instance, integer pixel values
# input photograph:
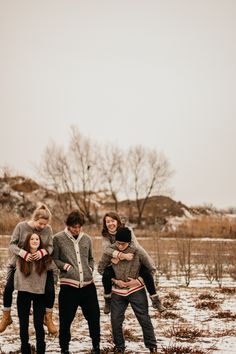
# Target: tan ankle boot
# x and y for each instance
(52, 328)
(5, 321)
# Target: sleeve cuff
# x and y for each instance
(67, 266)
(115, 254)
(43, 252)
(140, 280)
(23, 254)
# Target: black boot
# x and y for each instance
(119, 350)
(95, 350)
(41, 348)
(26, 349)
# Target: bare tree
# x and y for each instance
(56, 170)
(73, 173)
(148, 172)
(184, 249)
(84, 158)
(111, 164)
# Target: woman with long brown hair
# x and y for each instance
(30, 280)
(111, 223)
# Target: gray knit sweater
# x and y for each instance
(109, 240)
(33, 283)
(22, 230)
(127, 269)
(77, 253)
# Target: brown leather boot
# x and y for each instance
(107, 305)
(156, 303)
(52, 328)
(5, 321)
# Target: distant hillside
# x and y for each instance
(20, 195)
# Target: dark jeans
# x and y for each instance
(139, 304)
(109, 273)
(69, 300)
(9, 288)
(24, 300)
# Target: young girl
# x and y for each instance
(111, 223)
(30, 281)
(39, 223)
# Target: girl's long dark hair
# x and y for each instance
(113, 215)
(40, 266)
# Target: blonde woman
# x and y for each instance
(38, 223)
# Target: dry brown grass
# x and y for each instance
(228, 291)
(178, 349)
(207, 296)
(8, 221)
(184, 331)
(225, 333)
(207, 305)
(170, 315)
(168, 303)
(209, 226)
(130, 335)
(172, 296)
(228, 315)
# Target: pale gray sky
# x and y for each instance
(161, 73)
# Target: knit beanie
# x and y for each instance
(123, 234)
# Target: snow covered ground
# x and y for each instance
(200, 319)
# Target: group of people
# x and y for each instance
(38, 258)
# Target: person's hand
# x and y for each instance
(127, 256)
(29, 257)
(120, 283)
(115, 260)
(39, 254)
(132, 283)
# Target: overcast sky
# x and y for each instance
(161, 73)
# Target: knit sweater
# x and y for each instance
(33, 283)
(22, 230)
(109, 240)
(74, 258)
(127, 269)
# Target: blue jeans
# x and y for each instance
(139, 303)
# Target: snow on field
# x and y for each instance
(200, 318)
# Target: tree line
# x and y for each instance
(86, 167)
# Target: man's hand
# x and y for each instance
(120, 283)
(115, 260)
(132, 282)
(126, 256)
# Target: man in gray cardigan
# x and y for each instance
(129, 289)
(74, 258)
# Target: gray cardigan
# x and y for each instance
(20, 233)
(109, 241)
(127, 269)
(33, 283)
(76, 253)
